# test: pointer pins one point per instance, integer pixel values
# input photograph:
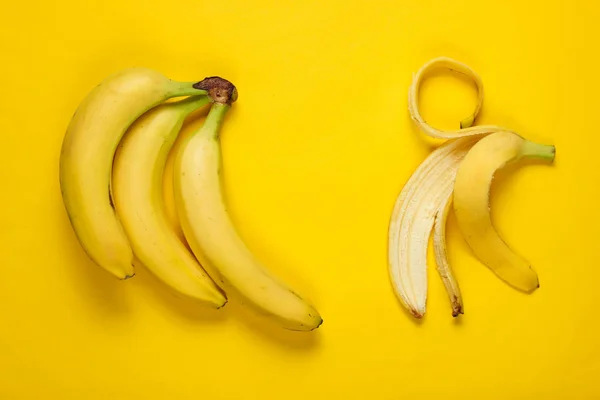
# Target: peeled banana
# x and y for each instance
(458, 173)
(211, 234)
(472, 204)
(87, 154)
(138, 197)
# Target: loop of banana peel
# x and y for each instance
(426, 199)
(466, 128)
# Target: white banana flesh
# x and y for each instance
(87, 155)
(138, 197)
(213, 238)
(426, 192)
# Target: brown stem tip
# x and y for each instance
(456, 311)
(456, 307)
(219, 89)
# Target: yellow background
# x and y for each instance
(316, 150)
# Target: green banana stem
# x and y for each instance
(539, 151)
(193, 103)
(223, 93)
(212, 89)
(219, 89)
(185, 89)
(214, 120)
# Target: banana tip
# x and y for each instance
(318, 324)
(457, 311)
(223, 304)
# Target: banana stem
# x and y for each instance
(186, 89)
(222, 93)
(214, 120)
(219, 89)
(537, 150)
(191, 104)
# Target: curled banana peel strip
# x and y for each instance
(426, 199)
(466, 128)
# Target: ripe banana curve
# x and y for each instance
(138, 197)
(87, 153)
(472, 204)
(211, 234)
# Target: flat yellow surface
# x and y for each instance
(316, 150)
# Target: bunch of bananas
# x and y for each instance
(111, 176)
(457, 175)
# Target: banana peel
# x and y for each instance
(431, 192)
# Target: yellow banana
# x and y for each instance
(472, 206)
(87, 154)
(138, 197)
(211, 233)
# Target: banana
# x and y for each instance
(138, 197)
(472, 206)
(424, 194)
(87, 153)
(210, 232)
